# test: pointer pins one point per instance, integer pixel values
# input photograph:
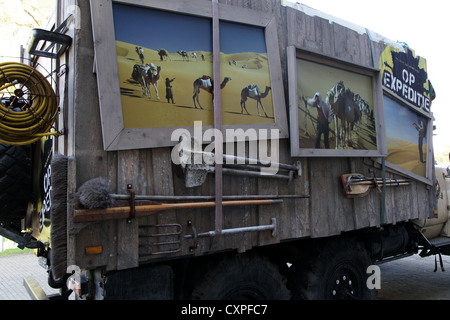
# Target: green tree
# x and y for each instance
(442, 155)
(17, 19)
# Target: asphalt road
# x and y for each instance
(410, 278)
(413, 278)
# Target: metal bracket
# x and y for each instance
(195, 236)
(61, 41)
(168, 239)
(23, 240)
(132, 202)
(56, 38)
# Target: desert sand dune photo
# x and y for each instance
(140, 110)
(166, 76)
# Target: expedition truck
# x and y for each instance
(135, 175)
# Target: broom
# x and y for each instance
(58, 215)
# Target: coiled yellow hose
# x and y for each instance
(32, 105)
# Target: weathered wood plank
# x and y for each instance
(309, 33)
(319, 200)
(287, 219)
(266, 213)
(127, 238)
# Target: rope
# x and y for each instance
(28, 104)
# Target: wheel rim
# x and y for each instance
(344, 283)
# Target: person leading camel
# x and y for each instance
(169, 94)
(324, 118)
(140, 53)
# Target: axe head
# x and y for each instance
(195, 177)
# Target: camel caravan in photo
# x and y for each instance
(347, 107)
(348, 111)
(147, 75)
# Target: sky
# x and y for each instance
(135, 25)
(423, 25)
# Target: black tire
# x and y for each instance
(332, 270)
(242, 277)
(15, 182)
(152, 282)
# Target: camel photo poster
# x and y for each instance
(335, 108)
(406, 133)
(248, 96)
(165, 67)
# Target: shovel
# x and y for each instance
(357, 186)
(195, 164)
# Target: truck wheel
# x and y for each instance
(334, 270)
(15, 181)
(242, 277)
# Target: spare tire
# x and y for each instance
(15, 181)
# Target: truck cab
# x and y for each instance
(134, 222)
(437, 229)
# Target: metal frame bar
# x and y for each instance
(217, 125)
(272, 227)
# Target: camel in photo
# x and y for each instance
(184, 54)
(207, 84)
(345, 108)
(152, 80)
(139, 76)
(335, 92)
(147, 76)
(253, 92)
(364, 107)
(163, 53)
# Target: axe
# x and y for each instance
(357, 186)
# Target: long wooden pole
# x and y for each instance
(115, 213)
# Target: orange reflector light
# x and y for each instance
(94, 250)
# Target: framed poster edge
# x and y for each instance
(428, 179)
(115, 135)
(294, 53)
